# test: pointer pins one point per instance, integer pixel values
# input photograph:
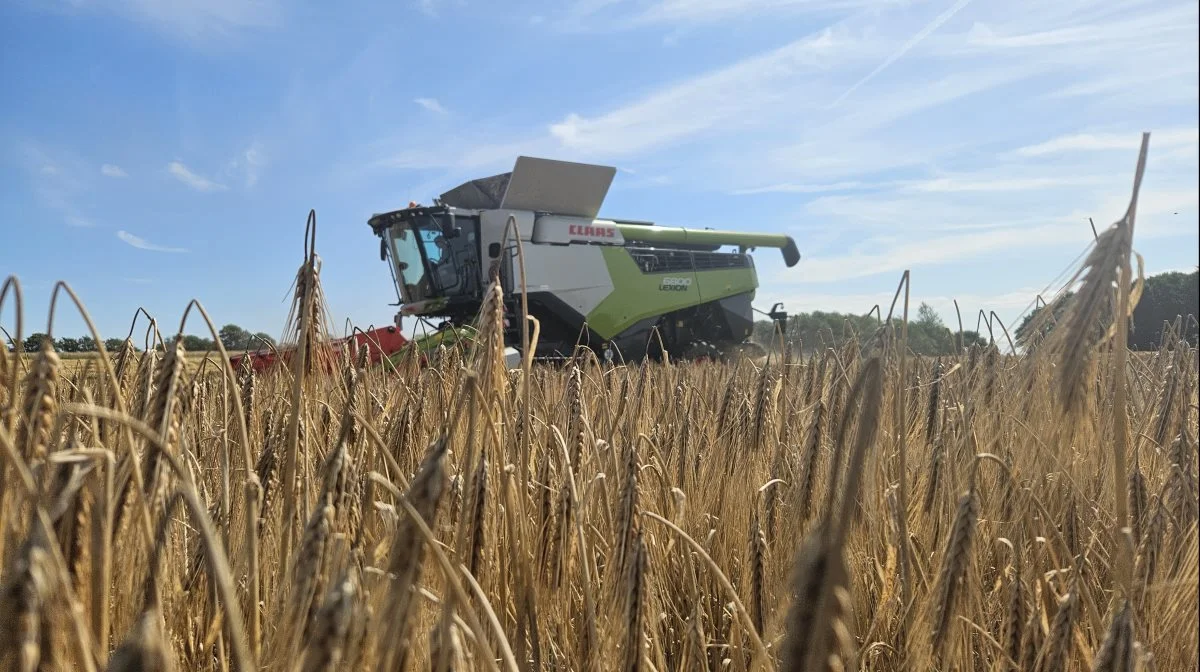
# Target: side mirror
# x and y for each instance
(382, 249)
(450, 228)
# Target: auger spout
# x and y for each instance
(682, 236)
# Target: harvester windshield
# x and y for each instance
(410, 265)
(434, 255)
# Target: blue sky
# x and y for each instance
(155, 152)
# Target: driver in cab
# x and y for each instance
(443, 265)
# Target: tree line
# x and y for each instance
(232, 337)
(1166, 298)
(927, 333)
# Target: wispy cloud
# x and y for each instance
(995, 183)
(746, 93)
(887, 255)
(430, 104)
(59, 179)
(248, 165)
(255, 160)
(884, 233)
(431, 8)
(904, 49)
(641, 181)
(593, 15)
(981, 182)
(197, 182)
(143, 244)
(190, 19)
(802, 188)
(767, 121)
(1096, 142)
(111, 170)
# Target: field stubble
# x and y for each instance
(675, 516)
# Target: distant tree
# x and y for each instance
(234, 337)
(67, 344)
(113, 344)
(1165, 297)
(262, 340)
(1038, 324)
(87, 344)
(34, 342)
(198, 343)
(970, 338)
(928, 317)
(927, 333)
(818, 329)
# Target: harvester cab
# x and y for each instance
(589, 281)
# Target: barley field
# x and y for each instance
(854, 509)
(74, 363)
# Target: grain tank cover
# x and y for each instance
(558, 187)
(540, 185)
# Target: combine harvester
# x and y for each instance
(625, 289)
(631, 286)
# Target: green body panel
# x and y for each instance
(447, 337)
(427, 344)
(637, 296)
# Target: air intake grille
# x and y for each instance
(651, 260)
(709, 261)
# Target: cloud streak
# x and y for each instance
(904, 49)
(59, 181)
(197, 182)
(143, 244)
(111, 170)
(430, 104)
(955, 232)
(1100, 142)
(619, 15)
(247, 166)
(765, 119)
(194, 20)
(728, 99)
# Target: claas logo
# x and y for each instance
(591, 231)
